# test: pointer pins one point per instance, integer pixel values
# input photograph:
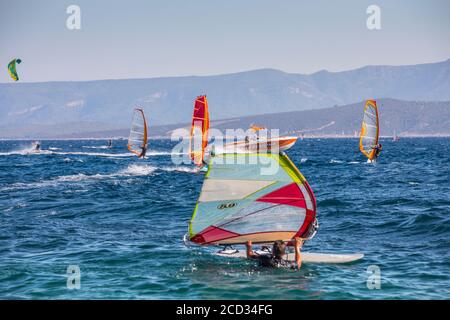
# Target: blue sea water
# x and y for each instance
(121, 220)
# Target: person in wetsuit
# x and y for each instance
(109, 143)
(377, 149)
(203, 167)
(144, 151)
(37, 146)
(276, 258)
(247, 141)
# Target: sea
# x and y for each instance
(81, 221)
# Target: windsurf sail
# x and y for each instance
(199, 130)
(368, 138)
(137, 141)
(263, 199)
(395, 138)
(12, 69)
(256, 128)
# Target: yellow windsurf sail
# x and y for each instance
(199, 130)
(137, 141)
(370, 128)
(256, 128)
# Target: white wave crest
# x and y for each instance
(131, 170)
(26, 152)
(163, 153)
(137, 170)
(97, 154)
(180, 169)
(96, 147)
(79, 177)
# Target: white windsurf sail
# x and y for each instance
(369, 130)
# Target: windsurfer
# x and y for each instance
(137, 141)
(37, 146)
(276, 258)
(144, 151)
(247, 141)
(203, 167)
(109, 143)
(378, 147)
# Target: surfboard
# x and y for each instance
(307, 257)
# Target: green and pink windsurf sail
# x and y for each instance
(256, 197)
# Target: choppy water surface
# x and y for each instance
(121, 220)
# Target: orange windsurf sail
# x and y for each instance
(256, 128)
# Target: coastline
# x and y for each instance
(326, 136)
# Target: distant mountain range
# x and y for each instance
(71, 108)
(405, 118)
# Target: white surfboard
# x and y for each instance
(307, 257)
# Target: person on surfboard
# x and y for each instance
(37, 146)
(276, 258)
(378, 147)
(203, 167)
(144, 151)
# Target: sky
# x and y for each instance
(149, 38)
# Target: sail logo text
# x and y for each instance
(226, 205)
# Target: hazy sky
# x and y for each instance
(136, 39)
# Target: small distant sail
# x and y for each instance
(395, 138)
(263, 199)
(256, 128)
(199, 130)
(12, 69)
(137, 141)
(368, 138)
